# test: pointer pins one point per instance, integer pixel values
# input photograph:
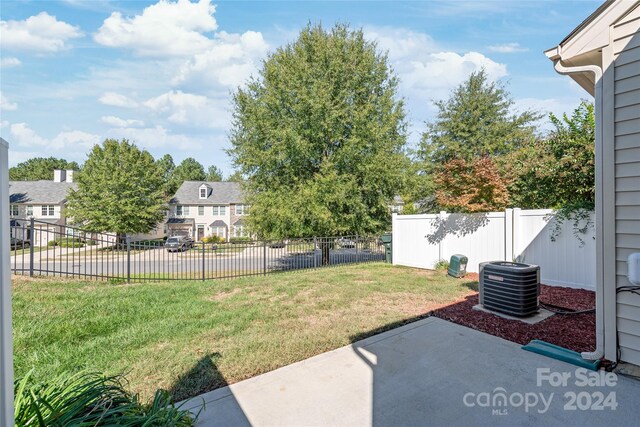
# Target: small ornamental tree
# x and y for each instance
(471, 186)
(120, 189)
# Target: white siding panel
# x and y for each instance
(628, 127)
(627, 170)
(629, 17)
(628, 84)
(628, 56)
(628, 241)
(628, 212)
(628, 98)
(627, 226)
(627, 311)
(625, 43)
(628, 184)
(627, 141)
(625, 198)
(628, 155)
(629, 355)
(627, 28)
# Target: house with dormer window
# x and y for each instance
(200, 209)
(40, 200)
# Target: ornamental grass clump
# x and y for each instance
(92, 399)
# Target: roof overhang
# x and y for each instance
(583, 45)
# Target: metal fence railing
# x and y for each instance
(41, 248)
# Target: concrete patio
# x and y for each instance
(430, 372)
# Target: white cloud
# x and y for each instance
(10, 62)
(165, 28)
(426, 70)
(507, 48)
(74, 140)
(155, 137)
(117, 100)
(39, 33)
(228, 62)
(197, 110)
(557, 106)
(121, 123)
(5, 104)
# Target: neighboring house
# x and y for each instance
(41, 200)
(200, 209)
(396, 205)
(603, 56)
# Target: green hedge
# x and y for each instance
(240, 240)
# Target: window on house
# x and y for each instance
(238, 231)
(219, 210)
(29, 210)
(182, 210)
(48, 210)
(203, 193)
(200, 210)
(242, 209)
(14, 210)
(218, 231)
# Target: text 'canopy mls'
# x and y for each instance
(320, 135)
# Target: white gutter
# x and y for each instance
(6, 350)
(597, 71)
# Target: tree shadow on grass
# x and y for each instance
(205, 376)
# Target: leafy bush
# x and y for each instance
(443, 264)
(240, 240)
(52, 243)
(91, 399)
(213, 239)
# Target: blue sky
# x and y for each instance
(160, 73)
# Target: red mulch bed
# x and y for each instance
(576, 332)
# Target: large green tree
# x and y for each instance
(214, 174)
(120, 189)
(167, 166)
(476, 121)
(320, 136)
(40, 168)
(188, 170)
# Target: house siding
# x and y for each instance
(626, 49)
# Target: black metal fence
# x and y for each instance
(41, 248)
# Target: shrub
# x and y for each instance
(213, 239)
(240, 240)
(91, 399)
(443, 264)
(52, 243)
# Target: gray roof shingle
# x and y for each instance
(39, 192)
(218, 193)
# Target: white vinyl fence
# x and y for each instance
(512, 235)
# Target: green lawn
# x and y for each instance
(191, 337)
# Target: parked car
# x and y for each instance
(19, 244)
(345, 243)
(178, 243)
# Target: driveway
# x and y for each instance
(430, 372)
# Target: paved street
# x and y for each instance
(159, 263)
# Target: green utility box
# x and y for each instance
(458, 266)
(386, 241)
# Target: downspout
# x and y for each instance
(597, 71)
